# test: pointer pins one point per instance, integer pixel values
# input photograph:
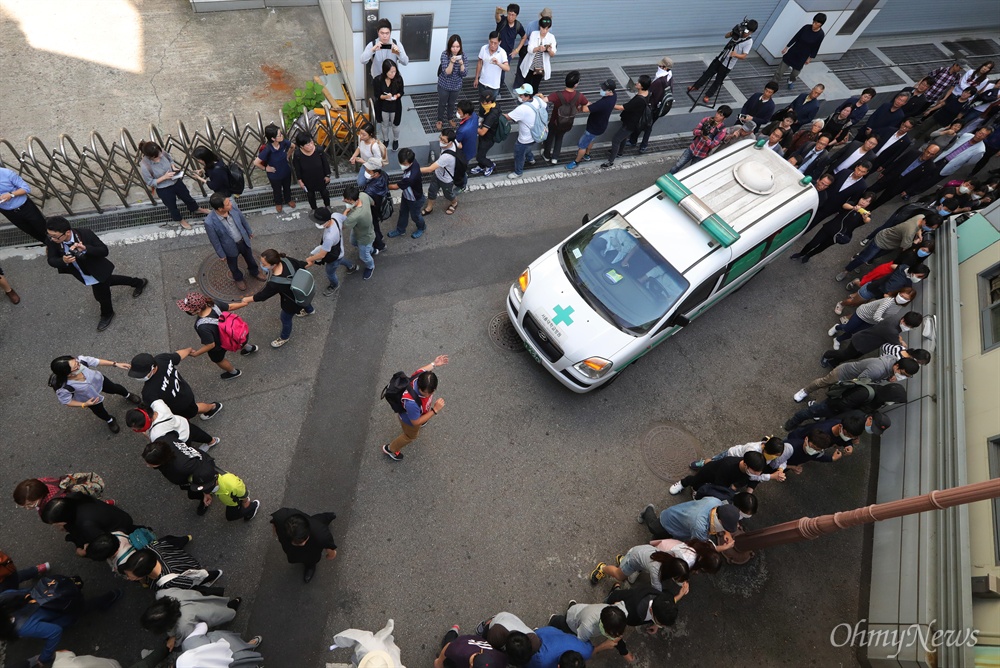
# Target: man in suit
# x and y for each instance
(847, 185)
(888, 115)
(967, 149)
(912, 172)
(891, 144)
(80, 253)
(813, 158)
(305, 539)
(846, 158)
(230, 234)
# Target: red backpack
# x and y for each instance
(233, 331)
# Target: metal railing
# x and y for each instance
(98, 176)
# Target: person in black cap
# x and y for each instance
(599, 115)
(305, 539)
(163, 381)
(81, 254)
(330, 252)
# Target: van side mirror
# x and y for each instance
(586, 219)
(678, 320)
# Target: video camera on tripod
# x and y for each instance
(742, 30)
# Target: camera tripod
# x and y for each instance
(696, 100)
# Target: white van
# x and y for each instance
(649, 265)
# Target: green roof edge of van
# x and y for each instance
(714, 225)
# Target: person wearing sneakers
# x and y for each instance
(874, 369)
(81, 254)
(417, 407)
(163, 381)
(7, 290)
(898, 238)
(599, 115)
(708, 519)
(559, 650)
(871, 313)
(442, 172)
(411, 186)
(11, 576)
(158, 421)
(208, 313)
(305, 539)
(178, 462)
(458, 651)
(601, 624)
(330, 252)
(229, 231)
(890, 330)
(506, 632)
(560, 118)
(489, 117)
(732, 472)
(280, 266)
(524, 115)
(776, 453)
(165, 563)
(661, 567)
(78, 384)
(631, 118)
(851, 396)
(358, 212)
(229, 489)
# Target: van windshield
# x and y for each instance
(621, 275)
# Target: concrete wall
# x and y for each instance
(982, 417)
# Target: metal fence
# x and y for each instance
(98, 176)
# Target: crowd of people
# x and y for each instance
(907, 148)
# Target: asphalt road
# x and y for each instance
(507, 500)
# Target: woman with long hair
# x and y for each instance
(213, 172)
(78, 384)
(388, 91)
(165, 178)
(280, 269)
(369, 148)
(449, 84)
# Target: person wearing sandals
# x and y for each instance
(369, 148)
(442, 170)
(78, 384)
(165, 178)
(279, 265)
(313, 169)
(208, 313)
(7, 290)
(451, 71)
(273, 159)
(389, 90)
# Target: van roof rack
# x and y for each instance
(698, 210)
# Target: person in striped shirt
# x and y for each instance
(871, 313)
(165, 563)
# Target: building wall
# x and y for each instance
(915, 16)
(982, 417)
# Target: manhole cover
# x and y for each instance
(503, 334)
(743, 580)
(667, 450)
(215, 280)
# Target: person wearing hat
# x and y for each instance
(78, 384)
(163, 381)
(524, 115)
(81, 254)
(229, 231)
(599, 115)
(358, 219)
(707, 518)
(305, 539)
(158, 421)
(208, 313)
(631, 117)
(801, 49)
(229, 489)
(442, 173)
(330, 252)
(178, 462)
(536, 65)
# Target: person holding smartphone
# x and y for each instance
(382, 48)
(449, 84)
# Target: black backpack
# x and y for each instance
(646, 119)
(237, 181)
(461, 166)
(839, 389)
(393, 391)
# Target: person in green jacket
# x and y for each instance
(359, 222)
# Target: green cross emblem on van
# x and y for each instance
(563, 315)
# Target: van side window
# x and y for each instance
(699, 296)
(776, 242)
(745, 263)
(782, 236)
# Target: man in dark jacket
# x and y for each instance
(179, 462)
(801, 49)
(80, 253)
(847, 185)
(888, 115)
(759, 107)
(646, 606)
(889, 330)
(731, 472)
(912, 172)
(305, 539)
(892, 143)
(229, 231)
(813, 158)
(863, 397)
(84, 518)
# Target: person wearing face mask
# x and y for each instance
(897, 238)
(849, 396)
(162, 380)
(34, 493)
(845, 430)
(776, 452)
(467, 134)
(871, 313)
(956, 192)
(78, 384)
(489, 119)
(377, 187)
(601, 624)
(812, 447)
(875, 370)
(916, 254)
(883, 280)
(443, 174)
(732, 472)
(708, 518)
(869, 340)
(598, 116)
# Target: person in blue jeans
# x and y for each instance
(280, 268)
(11, 576)
(360, 222)
(524, 115)
(330, 252)
(411, 186)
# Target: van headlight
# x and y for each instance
(594, 367)
(522, 283)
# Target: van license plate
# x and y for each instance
(532, 352)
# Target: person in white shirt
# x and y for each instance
(537, 65)
(967, 148)
(524, 115)
(443, 170)
(330, 252)
(490, 67)
(738, 48)
(158, 420)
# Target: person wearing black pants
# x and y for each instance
(632, 112)
(839, 230)
(738, 49)
(78, 384)
(18, 208)
(81, 254)
(312, 167)
(305, 539)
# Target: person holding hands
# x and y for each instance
(417, 407)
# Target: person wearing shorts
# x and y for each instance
(597, 121)
(208, 313)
